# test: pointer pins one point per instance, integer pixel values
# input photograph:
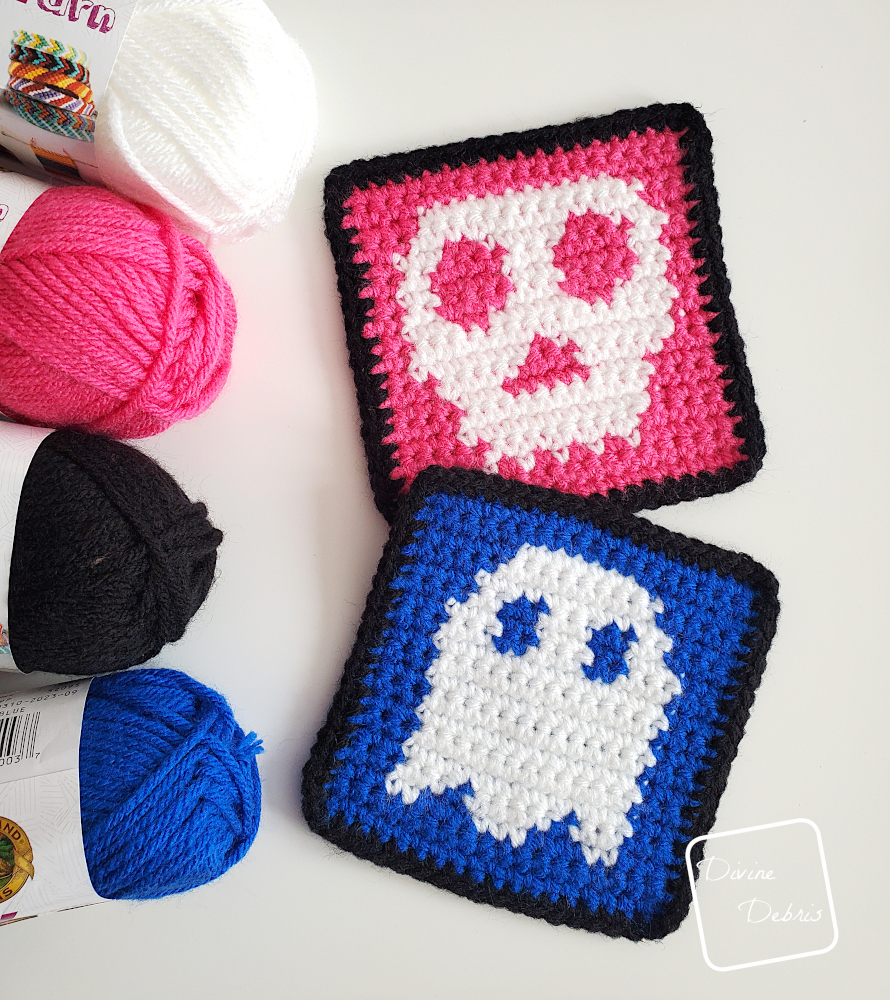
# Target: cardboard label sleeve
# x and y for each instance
(42, 862)
(60, 55)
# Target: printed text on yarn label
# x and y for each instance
(17, 447)
(42, 862)
(61, 54)
(95, 15)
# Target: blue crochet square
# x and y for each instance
(542, 704)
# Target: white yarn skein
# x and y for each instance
(210, 115)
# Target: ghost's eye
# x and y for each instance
(594, 257)
(470, 282)
(608, 646)
(519, 619)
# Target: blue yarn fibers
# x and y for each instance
(169, 786)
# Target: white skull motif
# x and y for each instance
(472, 366)
(535, 737)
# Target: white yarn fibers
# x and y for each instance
(210, 115)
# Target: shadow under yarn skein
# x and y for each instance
(110, 561)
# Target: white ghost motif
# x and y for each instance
(471, 366)
(534, 737)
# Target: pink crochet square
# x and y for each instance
(549, 306)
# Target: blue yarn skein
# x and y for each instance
(169, 786)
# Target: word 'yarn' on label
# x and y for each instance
(542, 704)
(551, 306)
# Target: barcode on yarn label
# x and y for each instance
(18, 738)
(40, 730)
(42, 862)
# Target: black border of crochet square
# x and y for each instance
(729, 350)
(735, 705)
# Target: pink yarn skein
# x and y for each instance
(111, 319)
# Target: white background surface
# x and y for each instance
(795, 95)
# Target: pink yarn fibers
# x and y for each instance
(111, 319)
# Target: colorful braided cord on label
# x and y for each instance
(27, 71)
(52, 78)
(51, 119)
(43, 44)
(21, 54)
(49, 86)
(50, 95)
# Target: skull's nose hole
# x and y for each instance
(470, 282)
(546, 364)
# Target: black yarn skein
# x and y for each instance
(110, 560)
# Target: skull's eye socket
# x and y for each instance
(470, 283)
(608, 646)
(594, 256)
(519, 619)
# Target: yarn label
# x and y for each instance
(42, 862)
(18, 445)
(17, 195)
(61, 55)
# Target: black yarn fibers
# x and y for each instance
(110, 561)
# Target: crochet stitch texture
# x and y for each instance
(542, 704)
(551, 306)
